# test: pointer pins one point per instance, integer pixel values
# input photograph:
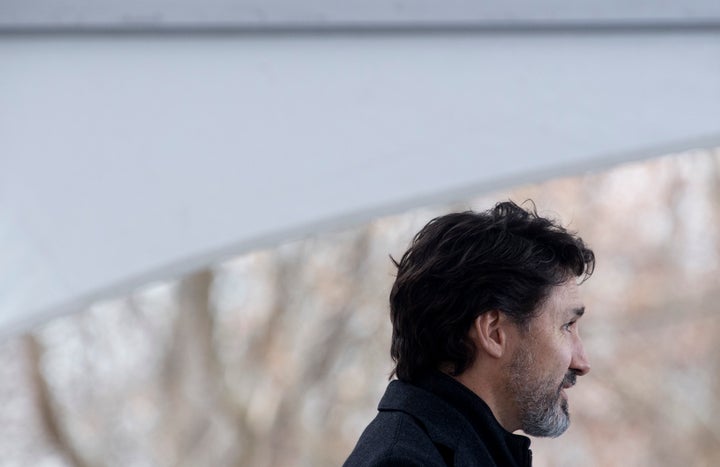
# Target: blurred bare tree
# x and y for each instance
(278, 357)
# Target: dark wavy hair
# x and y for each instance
(463, 264)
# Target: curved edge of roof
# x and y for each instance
(349, 220)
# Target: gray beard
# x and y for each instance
(542, 410)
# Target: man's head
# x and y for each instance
(483, 297)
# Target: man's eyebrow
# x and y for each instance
(579, 311)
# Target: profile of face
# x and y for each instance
(547, 361)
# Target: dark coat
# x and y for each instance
(437, 422)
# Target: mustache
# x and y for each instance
(570, 379)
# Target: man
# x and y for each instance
(485, 311)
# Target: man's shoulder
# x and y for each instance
(415, 427)
(394, 438)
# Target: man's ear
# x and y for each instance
(490, 334)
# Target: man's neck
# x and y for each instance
(494, 395)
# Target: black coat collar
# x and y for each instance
(454, 417)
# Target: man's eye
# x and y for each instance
(568, 325)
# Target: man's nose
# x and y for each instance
(580, 362)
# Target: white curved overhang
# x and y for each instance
(134, 157)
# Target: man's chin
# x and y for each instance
(552, 424)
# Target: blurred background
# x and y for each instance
(198, 204)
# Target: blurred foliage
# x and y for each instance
(278, 357)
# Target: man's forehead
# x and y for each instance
(565, 298)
